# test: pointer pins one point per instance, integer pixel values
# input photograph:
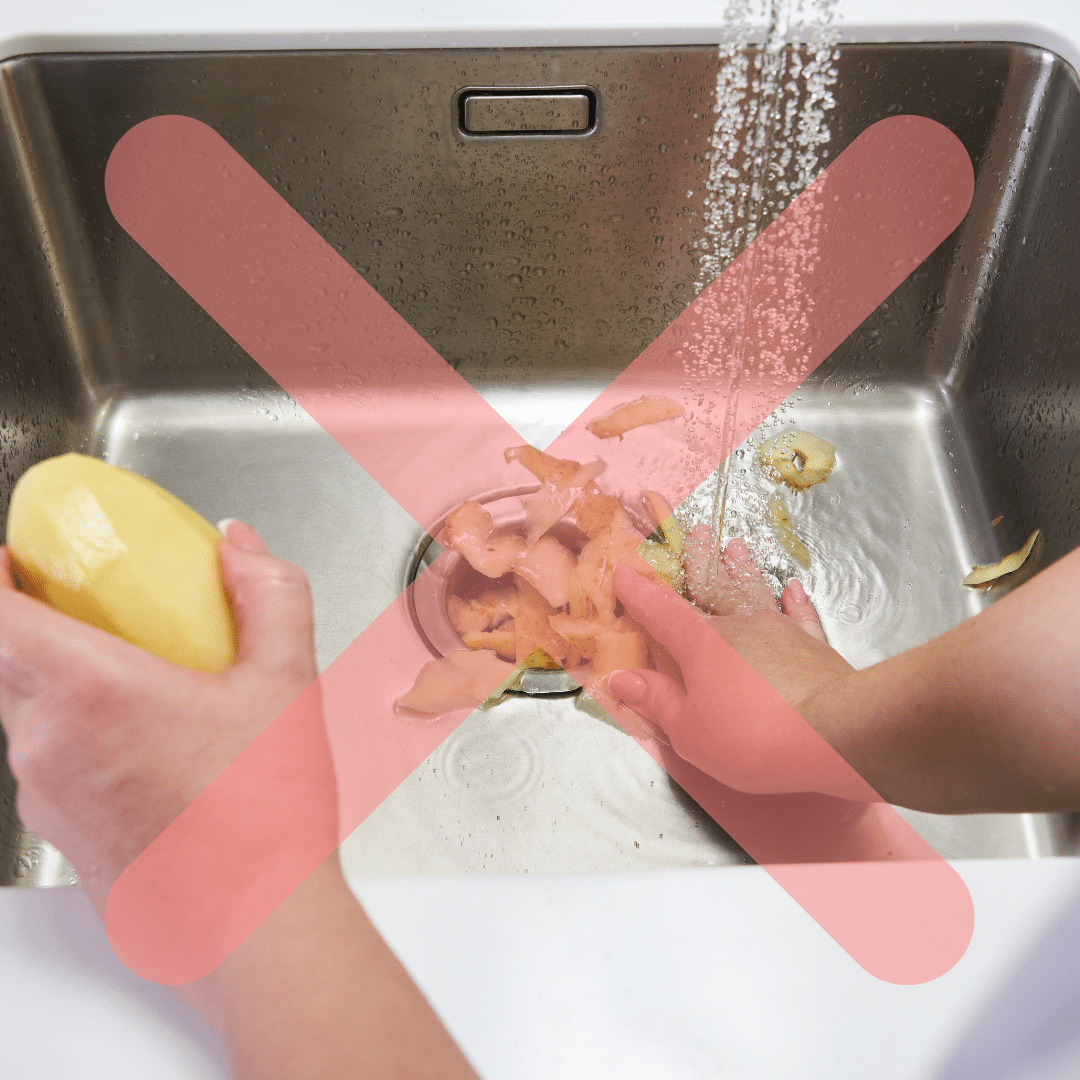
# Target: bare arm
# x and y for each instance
(315, 993)
(109, 743)
(984, 718)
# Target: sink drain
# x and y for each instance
(434, 580)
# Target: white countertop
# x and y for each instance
(680, 974)
(56, 25)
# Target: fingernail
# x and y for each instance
(628, 687)
(798, 593)
(241, 535)
(736, 551)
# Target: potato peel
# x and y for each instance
(666, 562)
(784, 528)
(981, 575)
(501, 640)
(540, 659)
(634, 414)
(797, 458)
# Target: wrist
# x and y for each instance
(323, 899)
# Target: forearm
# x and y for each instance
(985, 718)
(316, 993)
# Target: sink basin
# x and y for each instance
(539, 265)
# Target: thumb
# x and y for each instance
(676, 624)
(271, 604)
(796, 605)
(657, 697)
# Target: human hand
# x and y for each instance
(109, 743)
(756, 677)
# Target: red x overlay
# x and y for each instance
(395, 406)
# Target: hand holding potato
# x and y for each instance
(109, 743)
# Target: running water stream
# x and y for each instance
(773, 95)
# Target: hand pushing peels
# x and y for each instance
(749, 674)
(549, 604)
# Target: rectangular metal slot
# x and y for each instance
(513, 112)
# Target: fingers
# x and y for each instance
(21, 655)
(746, 577)
(731, 585)
(707, 580)
(39, 644)
(53, 668)
(655, 696)
(271, 602)
(241, 535)
(663, 612)
(796, 605)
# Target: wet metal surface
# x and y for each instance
(539, 268)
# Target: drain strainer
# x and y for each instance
(433, 580)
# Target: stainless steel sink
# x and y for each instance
(539, 266)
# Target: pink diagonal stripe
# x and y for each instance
(298, 308)
(784, 305)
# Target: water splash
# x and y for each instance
(772, 102)
(773, 96)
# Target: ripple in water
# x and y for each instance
(876, 575)
(496, 757)
(885, 571)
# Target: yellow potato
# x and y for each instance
(664, 561)
(115, 550)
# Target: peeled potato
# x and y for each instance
(115, 550)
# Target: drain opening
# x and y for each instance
(434, 581)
